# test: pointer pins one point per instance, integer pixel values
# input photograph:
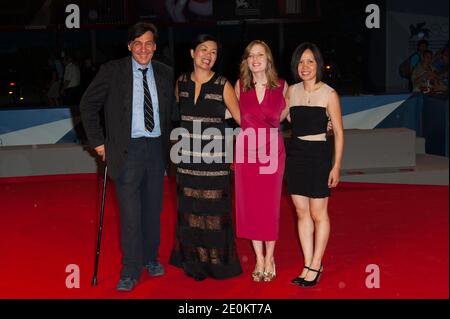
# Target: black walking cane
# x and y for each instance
(100, 228)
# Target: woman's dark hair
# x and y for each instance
(138, 29)
(203, 38)
(298, 54)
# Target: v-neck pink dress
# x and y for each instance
(259, 164)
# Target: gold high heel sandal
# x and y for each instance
(270, 275)
(257, 276)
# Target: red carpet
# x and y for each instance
(47, 223)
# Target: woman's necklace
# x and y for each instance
(308, 97)
(308, 93)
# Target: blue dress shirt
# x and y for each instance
(137, 121)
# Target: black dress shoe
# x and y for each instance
(126, 284)
(307, 283)
(155, 269)
(298, 280)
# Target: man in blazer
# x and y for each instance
(136, 95)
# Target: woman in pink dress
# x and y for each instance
(260, 155)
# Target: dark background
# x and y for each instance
(30, 32)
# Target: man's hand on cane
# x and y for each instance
(101, 151)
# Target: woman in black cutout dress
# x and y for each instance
(310, 172)
(205, 242)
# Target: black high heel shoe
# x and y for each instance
(298, 280)
(307, 283)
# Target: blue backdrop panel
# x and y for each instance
(14, 120)
(353, 104)
(407, 115)
(435, 124)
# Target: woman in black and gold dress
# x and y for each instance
(310, 172)
(205, 243)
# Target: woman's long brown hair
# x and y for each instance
(246, 75)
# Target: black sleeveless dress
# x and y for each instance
(205, 240)
(308, 163)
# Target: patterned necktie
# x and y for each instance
(148, 107)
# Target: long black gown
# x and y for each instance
(205, 242)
